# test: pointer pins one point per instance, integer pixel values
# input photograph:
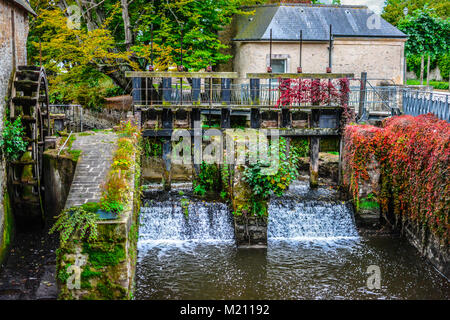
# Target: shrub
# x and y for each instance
(414, 157)
(208, 179)
(76, 221)
(12, 142)
(117, 186)
(263, 186)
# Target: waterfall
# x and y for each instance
(302, 214)
(166, 221)
(291, 219)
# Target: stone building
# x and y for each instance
(362, 41)
(13, 52)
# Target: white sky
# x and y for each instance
(374, 5)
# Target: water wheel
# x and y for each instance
(30, 102)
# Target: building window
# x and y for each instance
(279, 65)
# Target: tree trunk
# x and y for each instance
(428, 70)
(126, 24)
(421, 70)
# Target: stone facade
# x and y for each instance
(380, 58)
(9, 11)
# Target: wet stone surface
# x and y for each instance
(29, 272)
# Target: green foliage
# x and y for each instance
(393, 11)
(185, 206)
(76, 221)
(444, 65)
(414, 64)
(116, 189)
(12, 143)
(435, 84)
(83, 62)
(113, 206)
(152, 147)
(299, 147)
(208, 179)
(201, 22)
(428, 34)
(104, 254)
(62, 273)
(263, 186)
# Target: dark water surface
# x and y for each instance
(286, 270)
(314, 252)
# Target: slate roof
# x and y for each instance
(286, 20)
(24, 4)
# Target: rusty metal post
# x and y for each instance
(330, 51)
(300, 69)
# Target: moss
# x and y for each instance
(104, 254)
(62, 273)
(366, 204)
(91, 207)
(111, 291)
(8, 227)
(75, 154)
(87, 274)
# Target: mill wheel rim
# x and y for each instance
(30, 102)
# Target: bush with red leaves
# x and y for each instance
(414, 157)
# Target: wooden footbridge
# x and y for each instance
(166, 101)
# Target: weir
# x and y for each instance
(312, 245)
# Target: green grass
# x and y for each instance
(364, 204)
(439, 85)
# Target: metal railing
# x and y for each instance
(240, 94)
(416, 102)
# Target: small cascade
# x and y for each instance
(290, 219)
(167, 221)
(305, 214)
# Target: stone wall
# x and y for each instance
(249, 230)
(7, 10)
(59, 171)
(103, 269)
(380, 58)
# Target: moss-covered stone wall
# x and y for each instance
(6, 227)
(103, 269)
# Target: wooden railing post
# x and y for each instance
(314, 144)
(255, 115)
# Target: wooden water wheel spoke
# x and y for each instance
(30, 103)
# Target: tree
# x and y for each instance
(114, 37)
(428, 34)
(393, 10)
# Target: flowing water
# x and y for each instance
(314, 252)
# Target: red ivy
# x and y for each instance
(315, 91)
(414, 156)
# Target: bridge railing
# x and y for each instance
(216, 90)
(416, 102)
(378, 99)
